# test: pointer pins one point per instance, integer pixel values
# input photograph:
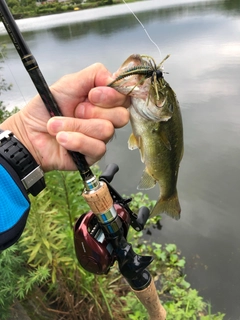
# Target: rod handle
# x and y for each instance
(149, 298)
(99, 200)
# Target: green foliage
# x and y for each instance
(48, 242)
(218, 316)
(13, 3)
(49, 235)
(178, 298)
(45, 257)
(140, 200)
(23, 8)
(94, 3)
(31, 8)
(17, 279)
(4, 86)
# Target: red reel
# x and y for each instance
(95, 254)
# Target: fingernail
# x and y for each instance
(57, 125)
(97, 96)
(63, 137)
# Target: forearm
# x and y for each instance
(20, 175)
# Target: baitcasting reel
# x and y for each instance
(94, 249)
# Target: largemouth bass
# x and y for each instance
(157, 129)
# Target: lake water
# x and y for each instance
(203, 39)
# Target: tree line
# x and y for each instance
(32, 8)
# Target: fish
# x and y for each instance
(157, 128)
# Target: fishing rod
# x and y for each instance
(38, 80)
(100, 236)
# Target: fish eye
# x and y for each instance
(159, 74)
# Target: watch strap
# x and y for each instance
(21, 160)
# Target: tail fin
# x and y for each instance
(170, 206)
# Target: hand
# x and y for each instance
(91, 112)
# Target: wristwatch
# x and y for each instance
(21, 160)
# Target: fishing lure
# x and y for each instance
(147, 69)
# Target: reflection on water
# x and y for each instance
(204, 67)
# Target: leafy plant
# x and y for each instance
(4, 86)
(45, 258)
(17, 279)
(48, 242)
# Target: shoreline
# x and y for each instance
(39, 23)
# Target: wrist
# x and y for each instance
(15, 124)
(21, 160)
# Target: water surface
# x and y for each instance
(204, 67)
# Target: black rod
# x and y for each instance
(38, 80)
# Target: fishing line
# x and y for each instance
(12, 74)
(141, 24)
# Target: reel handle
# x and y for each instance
(109, 172)
(142, 216)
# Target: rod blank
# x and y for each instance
(38, 80)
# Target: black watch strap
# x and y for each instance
(21, 160)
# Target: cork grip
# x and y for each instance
(151, 302)
(100, 200)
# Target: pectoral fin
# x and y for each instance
(132, 142)
(146, 182)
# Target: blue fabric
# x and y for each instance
(13, 204)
